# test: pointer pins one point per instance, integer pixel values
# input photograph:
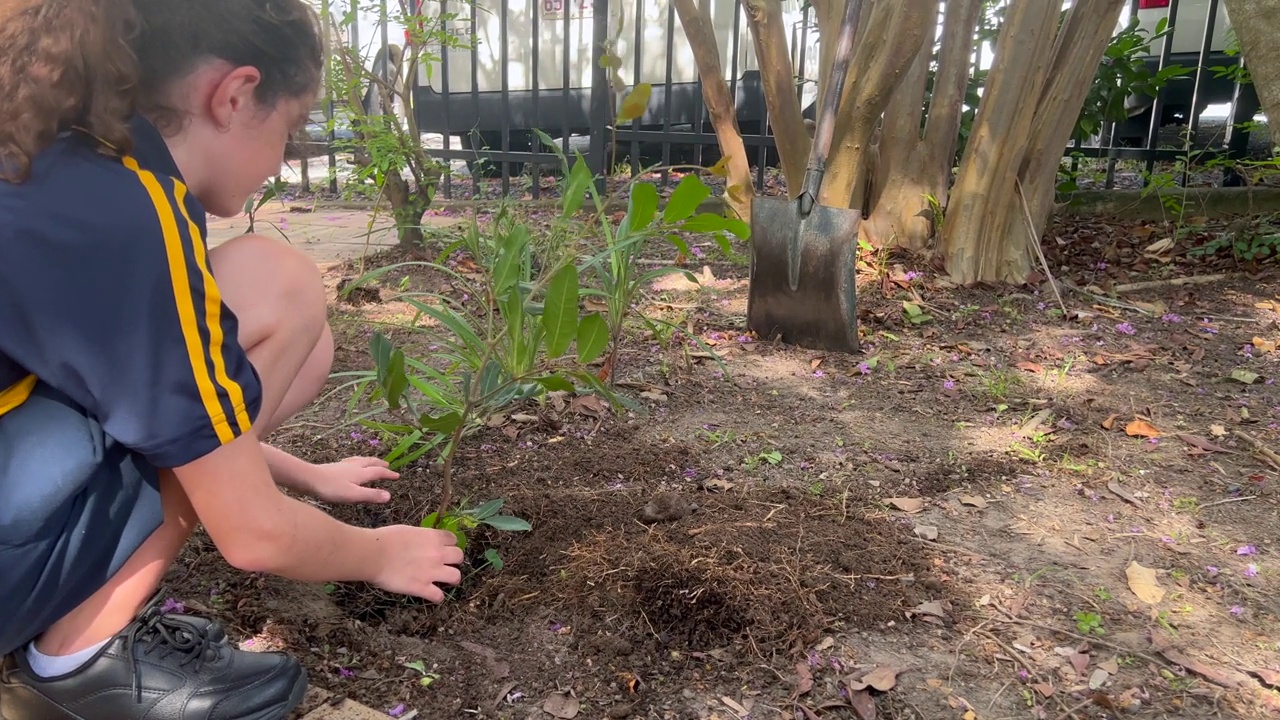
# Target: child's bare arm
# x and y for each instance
(257, 528)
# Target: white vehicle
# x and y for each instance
(455, 95)
(1187, 39)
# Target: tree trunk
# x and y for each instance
(877, 69)
(1254, 22)
(899, 213)
(1079, 46)
(791, 138)
(720, 106)
(950, 86)
(981, 241)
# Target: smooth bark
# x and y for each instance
(791, 137)
(879, 65)
(698, 28)
(980, 240)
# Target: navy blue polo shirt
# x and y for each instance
(106, 295)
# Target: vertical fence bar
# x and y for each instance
(477, 139)
(600, 95)
(504, 58)
(736, 50)
(1157, 107)
(447, 140)
(535, 145)
(699, 125)
(566, 49)
(326, 13)
(1193, 122)
(637, 78)
(666, 110)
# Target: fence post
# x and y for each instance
(600, 95)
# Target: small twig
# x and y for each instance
(1173, 282)
(1086, 638)
(1035, 243)
(953, 548)
(1266, 452)
(1229, 500)
(1071, 711)
(1018, 658)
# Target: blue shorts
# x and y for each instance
(74, 506)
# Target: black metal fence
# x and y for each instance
(536, 65)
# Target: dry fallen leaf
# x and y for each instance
(804, 680)
(1031, 367)
(1217, 430)
(882, 679)
(933, 607)
(1141, 428)
(735, 706)
(973, 500)
(907, 505)
(1199, 443)
(588, 405)
(1115, 487)
(561, 706)
(863, 704)
(1243, 376)
(1110, 422)
(1143, 583)
(926, 532)
(1270, 677)
(1266, 346)
(1045, 689)
(717, 485)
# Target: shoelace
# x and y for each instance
(160, 632)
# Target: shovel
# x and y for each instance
(803, 255)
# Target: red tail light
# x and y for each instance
(1152, 4)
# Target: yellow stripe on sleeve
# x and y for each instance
(182, 297)
(213, 316)
(17, 393)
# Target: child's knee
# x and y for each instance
(268, 282)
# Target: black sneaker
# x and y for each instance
(160, 667)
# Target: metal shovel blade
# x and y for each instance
(818, 310)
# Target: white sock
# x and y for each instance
(48, 666)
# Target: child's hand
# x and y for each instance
(414, 560)
(345, 481)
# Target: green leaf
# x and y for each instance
(642, 205)
(495, 560)
(560, 317)
(397, 382)
(554, 382)
(380, 348)
(507, 270)
(705, 222)
(679, 242)
(430, 520)
(490, 378)
(635, 103)
(486, 510)
(576, 187)
(593, 337)
(685, 199)
(508, 522)
(403, 446)
(445, 423)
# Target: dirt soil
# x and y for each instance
(993, 511)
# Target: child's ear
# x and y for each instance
(233, 94)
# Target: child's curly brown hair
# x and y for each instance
(93, 64)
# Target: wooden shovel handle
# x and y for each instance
(831, 98)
